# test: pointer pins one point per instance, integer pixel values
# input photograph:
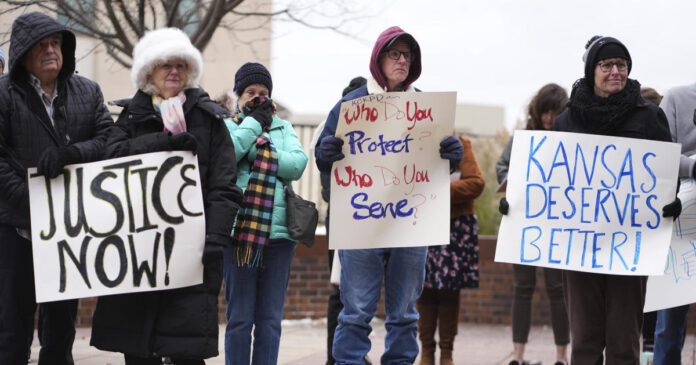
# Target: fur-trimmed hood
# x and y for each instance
(159, 46)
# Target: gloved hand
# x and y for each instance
(212, 252)
(451, 149)
(503, 206)
(183, 141)
(330, 149)
(53, 160)
(262, 111)
(672, 209)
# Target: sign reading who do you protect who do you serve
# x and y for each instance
(588, 203)
(392, 188)
(124, 225)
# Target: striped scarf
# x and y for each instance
(253, 227)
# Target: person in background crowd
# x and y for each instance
(269, 156)
(171, 112)
(606, 311)
(335, 306)
(679, 105)
(395, 64)
(650, 318)
(450, 268)
(542, 111)
(2, 61)
(49, 118)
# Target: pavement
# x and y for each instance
(303, 342)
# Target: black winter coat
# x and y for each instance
(645, 121)
(81, 118)
(179, 322)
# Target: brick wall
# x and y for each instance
(309, 290)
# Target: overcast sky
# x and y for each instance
(491, 52)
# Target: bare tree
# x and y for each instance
(118, 24)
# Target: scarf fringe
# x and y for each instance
(249, 256)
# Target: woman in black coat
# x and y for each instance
(169, 112)
(606, 311)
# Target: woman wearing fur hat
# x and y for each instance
(257, 265)
(606, 311)
(170, 112)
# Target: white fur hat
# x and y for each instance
(159, 46)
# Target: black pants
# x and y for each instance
(18, 304)
(606, 314)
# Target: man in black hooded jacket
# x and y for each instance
(49, 118)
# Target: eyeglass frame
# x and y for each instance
(621, 67)
(411, 56)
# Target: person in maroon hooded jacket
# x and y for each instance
(395, 64)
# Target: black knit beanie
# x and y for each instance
(252, 73)
(600, 48)
(354, 84)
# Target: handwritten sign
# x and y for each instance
(392, 189)
(124, 225)
(588, 203)
(678, 284)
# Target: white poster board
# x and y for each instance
(678, 284)
(124, 225)
(588, 203)
(392, 188)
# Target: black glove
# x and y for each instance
(672, 209)
(53, 160)
(503, 207)
(262, 111)
(451, 149)
(183, 141)
(212, 252)
(330, 149)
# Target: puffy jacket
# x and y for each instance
(26, 131)
(291, 161)
(178, 322)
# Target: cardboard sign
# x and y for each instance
(678, 284)
(588, 203)
(392, 188)
(124, 225)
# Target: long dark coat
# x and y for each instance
(180, 322)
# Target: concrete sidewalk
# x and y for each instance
(304, 343)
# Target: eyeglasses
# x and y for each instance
(608, 66)
(180, 67)
(395, 54)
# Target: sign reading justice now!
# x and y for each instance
(588, 203)
(124, 225)
(392, 188)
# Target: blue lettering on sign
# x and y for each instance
(657, 214)
(649, 170)
(627, 170)
(532, 151)
(588, 176)
(560, 150)
(357, 140)
(524, 243)
(552, 244)
(528, 215)
(596, 249)
(615, 249)
(604, 163)
(377, 209)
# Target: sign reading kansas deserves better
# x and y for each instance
(588, 203)
(392, 188)
(124, 225)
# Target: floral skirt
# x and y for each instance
(455, 266)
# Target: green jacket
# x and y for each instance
(291, 161)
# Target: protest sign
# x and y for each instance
(588, 203)
(678, 284)
(392, 188)
(124, 225)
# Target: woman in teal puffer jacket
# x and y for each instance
(257, 266)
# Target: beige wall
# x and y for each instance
(228, 49)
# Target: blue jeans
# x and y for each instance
(255, 298)
(670, 331)
(403, 270)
